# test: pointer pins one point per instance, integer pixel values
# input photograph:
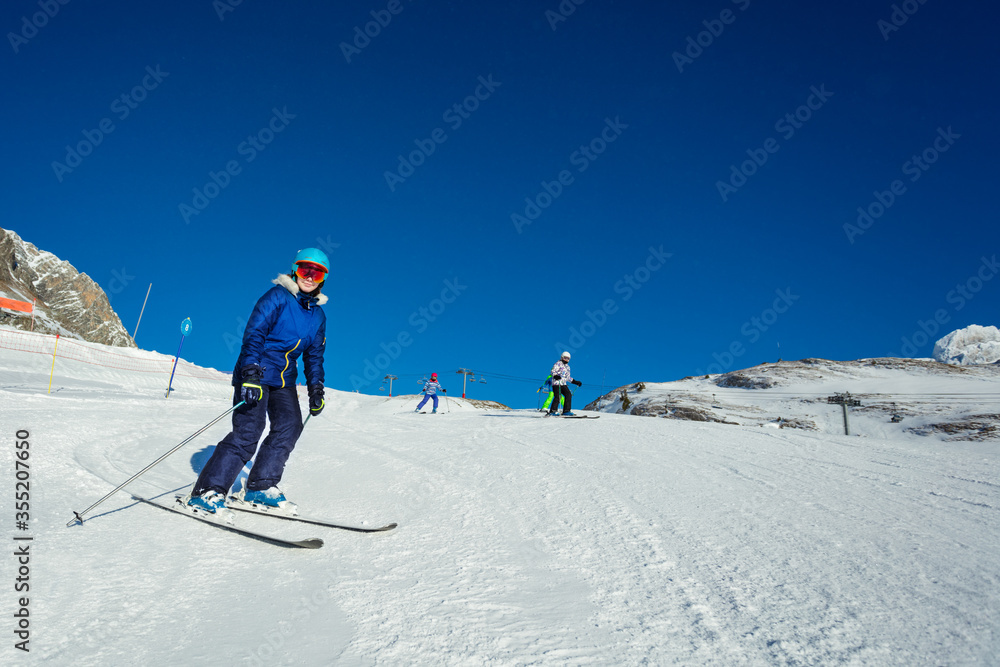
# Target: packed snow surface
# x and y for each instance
(522, 540)
(972, 345)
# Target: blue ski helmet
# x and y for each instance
(312, 255)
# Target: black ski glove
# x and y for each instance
(316, 403)
(444, 390)
(251, 391)
(557, 377)
(577, 383)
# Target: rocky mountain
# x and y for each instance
(969, 346)
(68, 303)
(896, 398)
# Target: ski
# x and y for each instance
(234, 503)
(575, 416)
(178, 508)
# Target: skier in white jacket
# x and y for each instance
(561, 378)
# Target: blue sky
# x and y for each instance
(665, 189)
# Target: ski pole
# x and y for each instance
(78, 516)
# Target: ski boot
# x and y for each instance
(210, 502)
(268, 499)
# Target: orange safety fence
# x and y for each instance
(23, 341)
(13, 304)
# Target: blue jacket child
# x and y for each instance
(431, 388)
(287, 322)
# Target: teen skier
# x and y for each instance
(287, 322)
(561, 378)
(431, 388)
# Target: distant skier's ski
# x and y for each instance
(237, 504)
(176, 507)
(574, 416)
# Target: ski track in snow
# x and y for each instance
(521, 541)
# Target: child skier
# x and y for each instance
(431, 388)
(287, 322)
(560, 380)
(548, 401)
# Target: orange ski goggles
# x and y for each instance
(308, 271)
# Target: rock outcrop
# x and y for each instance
(67, 302)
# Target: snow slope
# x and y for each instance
(521, 540)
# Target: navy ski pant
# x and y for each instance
(281, 406)
(426, 396)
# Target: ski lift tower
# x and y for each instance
(465, 372)
(390, 378)
(844, 400)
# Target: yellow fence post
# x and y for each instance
(54, 348)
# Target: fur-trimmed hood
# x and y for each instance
(286, 281)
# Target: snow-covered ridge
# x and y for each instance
(26, 363)
(29, 359)
(972, 345)
(900, 398)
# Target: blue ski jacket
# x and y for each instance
(284, 325)
(431, 387)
